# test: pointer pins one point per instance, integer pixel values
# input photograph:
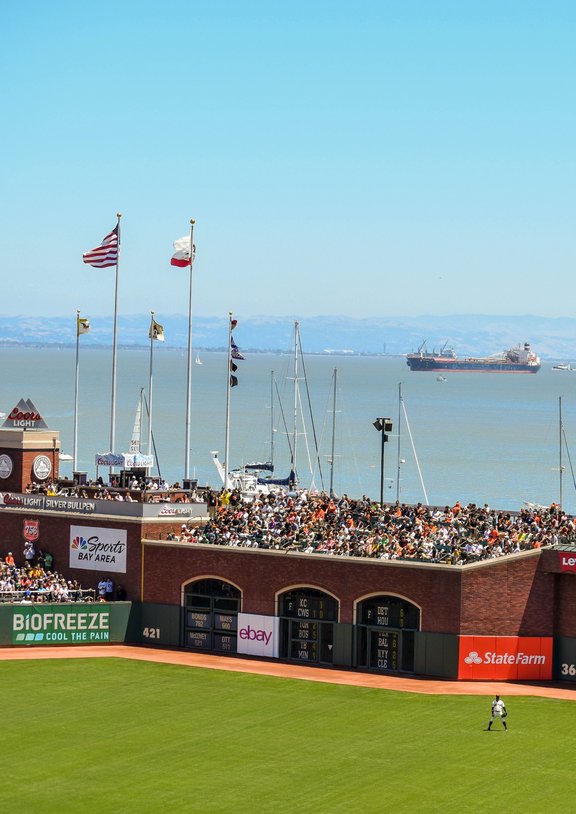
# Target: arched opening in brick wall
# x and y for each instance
(307, 620)
(211, 609)
(385, 628)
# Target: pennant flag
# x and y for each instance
(181, 257)
(156, 331)
(106, 254)
(234, 352)
(82, 326)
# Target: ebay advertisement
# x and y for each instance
(258, 635)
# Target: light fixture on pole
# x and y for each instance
(384, 426)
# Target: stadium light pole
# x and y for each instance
(384, 426)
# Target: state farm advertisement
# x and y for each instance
(258, 635)
(505, 658)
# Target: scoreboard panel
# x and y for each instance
(198, 619)
(303, 651)
(391, 612)
(224, 642)
(211, 622)
(303, 606)
(226, 621)
(201, 640)
(303, 640)
(384, 650)
(386, 629)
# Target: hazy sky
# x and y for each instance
(370, 158)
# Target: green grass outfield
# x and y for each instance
(114, 735)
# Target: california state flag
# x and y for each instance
(182, 255)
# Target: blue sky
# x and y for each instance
(368, 159)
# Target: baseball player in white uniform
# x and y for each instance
(498, 711)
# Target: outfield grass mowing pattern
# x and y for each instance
(93, 735)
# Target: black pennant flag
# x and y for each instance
(234, 354)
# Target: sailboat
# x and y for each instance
(135, 441)
(198, 360)
(403, 414)
(249, 478)
(134, 458)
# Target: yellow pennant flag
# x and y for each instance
(156, 331)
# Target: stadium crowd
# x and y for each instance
(319, 524)
(35, 582)
(137, 490)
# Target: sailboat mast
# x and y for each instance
(560, 431)
(272, 419)
(295, 422)
(398, 459)
(333, 435)
(75, 443)
(150, 380)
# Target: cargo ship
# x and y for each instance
(520, 359)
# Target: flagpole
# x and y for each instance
(189, 372)
(272, 419)
(228, 384)
(75, 444)
(115, 347)
(296, 398)
(150, 384)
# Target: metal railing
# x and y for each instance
(43, 597)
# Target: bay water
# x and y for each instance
(477, 438)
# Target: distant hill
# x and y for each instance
(475, 334)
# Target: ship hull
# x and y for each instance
(439, 365)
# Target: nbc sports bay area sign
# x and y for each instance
(98, 549)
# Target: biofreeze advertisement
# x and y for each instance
(63, 624)
(258, 635)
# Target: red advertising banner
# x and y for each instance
(31, 530)
(567, 561)
(505, 658)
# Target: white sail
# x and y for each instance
(137, 431)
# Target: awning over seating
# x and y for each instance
(127, 460)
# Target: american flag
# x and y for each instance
(106, 254)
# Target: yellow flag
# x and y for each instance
(156, 331)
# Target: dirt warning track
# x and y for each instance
(425, 686)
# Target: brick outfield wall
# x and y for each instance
(506, 597)
(524, 595)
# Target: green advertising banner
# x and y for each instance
(64, 623)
